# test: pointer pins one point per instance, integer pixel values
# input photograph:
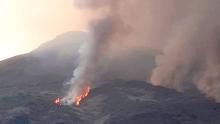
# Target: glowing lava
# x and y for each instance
(78, 99)
(83, 95)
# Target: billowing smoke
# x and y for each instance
(93, 50)
(191, 57)
(123, 32)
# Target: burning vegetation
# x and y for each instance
(57, 101)
(78, 99)
(83, 95)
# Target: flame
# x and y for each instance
(57, 101)
(78, 99)
(83, 95)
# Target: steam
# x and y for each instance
(191, 58)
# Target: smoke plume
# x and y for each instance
(92, 51)
(124, 31)
(191, 57)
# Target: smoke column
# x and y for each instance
(93, 50)
(191, 57)
(186, 34)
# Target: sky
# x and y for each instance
(25, 24)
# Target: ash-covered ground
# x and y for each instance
(29, 83)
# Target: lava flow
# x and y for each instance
(78, 99)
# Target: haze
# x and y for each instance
(25, 24)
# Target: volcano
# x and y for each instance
(31, 82)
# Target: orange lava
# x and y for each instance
(83, 95)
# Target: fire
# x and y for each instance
(78, 99)
(83, 95)
(57, 101)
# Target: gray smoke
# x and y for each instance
(185, 31)
(93, 50)
(191, 58)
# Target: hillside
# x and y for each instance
(29, 83)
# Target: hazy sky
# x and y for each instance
(25, 24)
